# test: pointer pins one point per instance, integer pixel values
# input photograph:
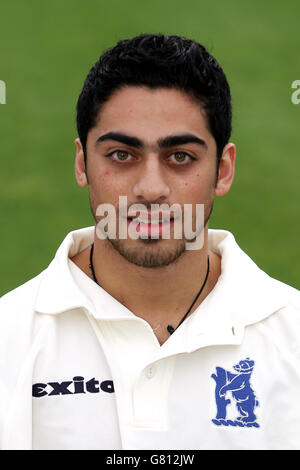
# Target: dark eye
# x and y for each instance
(180, 158)
(120, 156)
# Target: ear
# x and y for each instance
(226, 170)
(80, 170)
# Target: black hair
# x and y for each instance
(159, 61)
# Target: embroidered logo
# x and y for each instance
(238, 386)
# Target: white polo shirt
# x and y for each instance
(78, 370)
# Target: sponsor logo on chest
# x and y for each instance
(71, 387)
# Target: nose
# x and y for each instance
(151, 183)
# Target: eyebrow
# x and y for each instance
(165, 142)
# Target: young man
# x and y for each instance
(150, 341)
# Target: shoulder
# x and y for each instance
(287, 312)
(24, 294)
(281, 328)
(289, 294)
(17, 309)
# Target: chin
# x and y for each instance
(149, 253)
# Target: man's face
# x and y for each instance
(154, 147)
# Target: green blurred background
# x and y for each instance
(46, 50)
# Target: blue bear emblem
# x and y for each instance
(238, 385)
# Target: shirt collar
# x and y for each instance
(243, 295)
(57, 290)
(249, 293)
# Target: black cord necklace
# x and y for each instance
(170, 328)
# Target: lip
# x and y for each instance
(148, 229)
(147, 217)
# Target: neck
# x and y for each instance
(160, 295)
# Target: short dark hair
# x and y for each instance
(159, 61)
